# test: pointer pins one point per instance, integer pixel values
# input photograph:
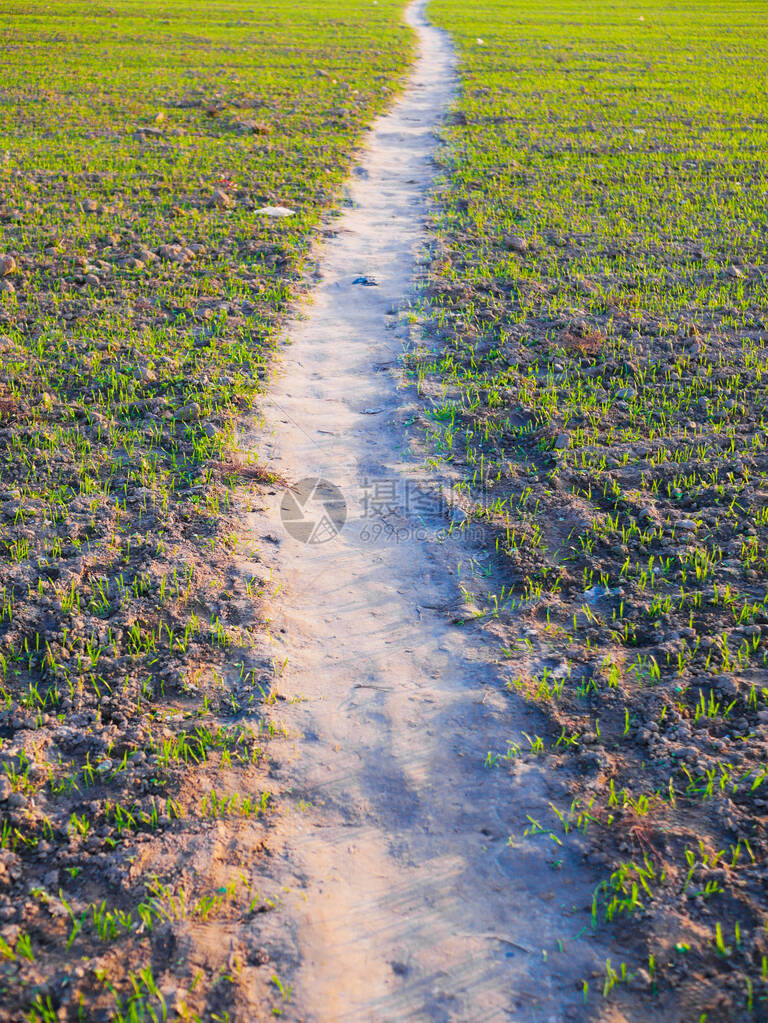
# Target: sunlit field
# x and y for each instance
(149, 157)
(596, 375)
(587, 369)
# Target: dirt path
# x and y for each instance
(404, 898)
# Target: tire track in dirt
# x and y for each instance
(403, 898)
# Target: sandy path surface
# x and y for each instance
(403, 898)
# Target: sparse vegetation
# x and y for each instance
(592, 369)
(148, 156)
(596, 363)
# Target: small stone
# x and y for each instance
(7, 265)
(275, 211)
(145, 130)
(190, 411)
(90, 206)
(686, 525)
(6, 789)
(562, 442)
(734, 271)
(258, 127)
(220, 199)
(173, 253)
(727, 685)
(687, 752)
(516, 243)
(639, 980)
(6, 288)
